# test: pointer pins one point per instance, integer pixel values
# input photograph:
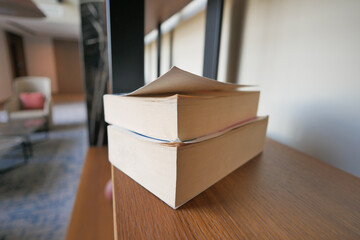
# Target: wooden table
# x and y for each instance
(92, 216)
(281, 194)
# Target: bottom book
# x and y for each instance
(177, 172)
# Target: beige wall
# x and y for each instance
(305, 55)
(165, 53)
(40, 59)
(188, 44)
(151, 58)
(150, 62)
(5, 68)
(59, 60)
(68, 66)
(188, 48)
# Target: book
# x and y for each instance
(180, 106)
(182, 133)
(177, 172)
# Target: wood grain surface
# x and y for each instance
(280, 194)
(92, 216)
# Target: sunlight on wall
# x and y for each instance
(188, 48)
(189, 39)
(306, 56)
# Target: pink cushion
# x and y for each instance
(33, 100)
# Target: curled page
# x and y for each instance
(177, 80)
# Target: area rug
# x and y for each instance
(36, 200)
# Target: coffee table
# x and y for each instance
(16, 132)
(9, 142)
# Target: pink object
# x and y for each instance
(33, 100)
(108, 191)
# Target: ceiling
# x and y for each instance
(62, 20)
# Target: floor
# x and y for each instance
(66, 98)
(36, 200)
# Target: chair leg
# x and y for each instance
(29, 146)
(26, 152)
(47, 128)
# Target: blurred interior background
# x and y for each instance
(304, 55)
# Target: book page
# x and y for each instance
(177, 80)
(189, 141)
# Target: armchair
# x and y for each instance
(30, 84)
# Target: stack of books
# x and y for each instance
(182, 133)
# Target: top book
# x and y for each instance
(180, 106)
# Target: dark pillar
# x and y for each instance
(171, 57)
(94, 52)
(125, 29)
(159, 50)
(214, 13)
